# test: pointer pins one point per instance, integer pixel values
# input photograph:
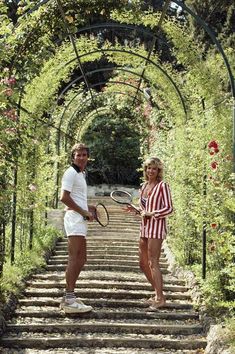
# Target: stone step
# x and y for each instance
(111, 282)
(107, 241)
(102, 350)
(107, 252)
(175, 305)
(108, 276)
(113, 231)
(102, 317)
(102, 293)
(104, 255)
(105, 327)
(115, 217)
(101, 267)
(98, 261)
(112, 314)
(115, 225)
(119, 214)
(102, 285)
(102, 341)
(101, 247)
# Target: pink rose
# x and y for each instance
(8, 92)
(11, 114)
(12, 80)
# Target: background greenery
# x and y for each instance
(192, 134)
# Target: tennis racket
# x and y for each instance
(123, 197)
(101, 214)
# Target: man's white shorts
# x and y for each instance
(74, 224)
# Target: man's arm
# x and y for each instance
(69, 202)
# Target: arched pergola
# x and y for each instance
(83, 78)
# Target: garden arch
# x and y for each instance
(85, 75)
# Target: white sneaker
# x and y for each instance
(76, 307)
(79, 301)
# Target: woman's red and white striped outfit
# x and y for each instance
(158, 200)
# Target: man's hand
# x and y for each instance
(88, 215)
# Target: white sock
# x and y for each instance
(70, 297)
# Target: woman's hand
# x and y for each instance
(129, 209)
(146, 214)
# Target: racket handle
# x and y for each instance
(87, 217)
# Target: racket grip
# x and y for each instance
(87, 217)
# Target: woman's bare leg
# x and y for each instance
(154, 252)
(143, 260)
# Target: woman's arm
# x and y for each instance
(167, 201)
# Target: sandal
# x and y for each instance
(159, 303)
(150, 300)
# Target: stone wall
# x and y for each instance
(105, 190)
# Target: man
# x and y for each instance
(74, 196)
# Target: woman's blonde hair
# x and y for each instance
(158, 163)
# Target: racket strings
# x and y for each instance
(121, 197)
(102, 215)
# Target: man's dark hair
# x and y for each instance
(79, 146)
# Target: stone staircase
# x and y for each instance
(111, 282)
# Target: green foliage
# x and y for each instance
(27, 261)
(231, 328)
(201, 182)
(219, 16)
(119, 165)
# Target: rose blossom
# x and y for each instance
(213, 147)
(212, 246)
(11, 114)
(214, 165)
(10, 130)
(32, 187)
(8, 92)
(213, 144)
(213, 225)
(12, 80)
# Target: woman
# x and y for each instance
(155, 205)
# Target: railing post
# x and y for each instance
(204, 191)
(13, 220)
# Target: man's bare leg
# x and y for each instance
(76, 260)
